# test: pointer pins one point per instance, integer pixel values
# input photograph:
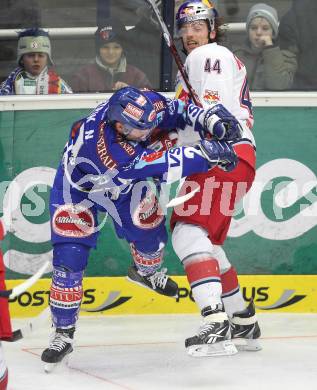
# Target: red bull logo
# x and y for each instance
(188, 11)
(211, 97)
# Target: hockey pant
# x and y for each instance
(75, 230)
(211, 276)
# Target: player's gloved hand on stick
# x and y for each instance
(219, 153)
(220, 123)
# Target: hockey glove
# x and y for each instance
(219, 153)
(219, 122)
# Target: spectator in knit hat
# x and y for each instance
(33, 76)
(268, 67)
(110, 71)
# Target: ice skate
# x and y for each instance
(213, 337)
(158, 282)
(61, 345)
(245, 328)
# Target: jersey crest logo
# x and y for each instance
(211, 97)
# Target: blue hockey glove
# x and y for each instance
(219, 153)
(219, 122)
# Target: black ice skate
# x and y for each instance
(213, 337)
(158, 282)
(61, 345)
(244, 326)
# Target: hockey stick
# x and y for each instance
(21, 288)
(182, 199)
(28, 328)
(170, 43)
(15, 291)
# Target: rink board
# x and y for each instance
(274, 231)
(116, 295)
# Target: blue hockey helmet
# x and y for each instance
(133, 109)
(191, 11)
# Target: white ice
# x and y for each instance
(147, 353)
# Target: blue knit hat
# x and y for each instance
(110, 33)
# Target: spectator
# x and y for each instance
(298, 33)
(33, 75)
(268, 66)
(110, 70)
(144, 43)
(17, 14)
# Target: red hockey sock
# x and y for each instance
(231, 293)
(4, 381)
(199, 272)
(229, 281)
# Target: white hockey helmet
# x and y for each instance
(196, 10)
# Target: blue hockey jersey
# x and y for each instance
(97, 157)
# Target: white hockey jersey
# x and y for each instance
(217, 76)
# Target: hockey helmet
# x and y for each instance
(191, 11)
(133, 109)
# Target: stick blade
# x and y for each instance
(182, 199)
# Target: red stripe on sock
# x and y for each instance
(4, 381)
(229, 280)
(202, 269)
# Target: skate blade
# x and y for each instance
(250, 345)
(50, 367)
(223, 348)
(149, 288)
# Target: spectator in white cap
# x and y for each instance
(268, 67)
(34, 75)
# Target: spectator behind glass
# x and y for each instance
(144, 42)
(298, 33)
(33, 75)
(110, 70)
(17, 14)
(268, 67)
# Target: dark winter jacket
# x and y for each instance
(98, 78)
(298, 33)
(268, 69)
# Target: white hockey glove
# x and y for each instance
(221, 124)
